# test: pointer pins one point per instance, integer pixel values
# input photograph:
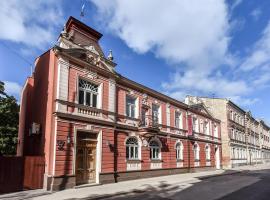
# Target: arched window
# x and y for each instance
(196, 149)
(132, 148)
(207, 152)
(154, 150)
(179, 150)
(88, 93)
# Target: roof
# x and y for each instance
(73, 21)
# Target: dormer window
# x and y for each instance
(88, 93)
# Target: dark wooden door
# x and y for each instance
(85, 159)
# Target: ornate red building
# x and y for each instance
(92, 125)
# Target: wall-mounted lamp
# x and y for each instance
(68, 140)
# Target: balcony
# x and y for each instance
(82, 110)
(149, 125)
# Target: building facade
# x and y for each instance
(244, 139)
(93, 125)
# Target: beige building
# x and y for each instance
(245, 140)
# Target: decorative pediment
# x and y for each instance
(92, 49)
(201, 108)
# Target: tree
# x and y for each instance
(9, 121)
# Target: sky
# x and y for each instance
(177, 47)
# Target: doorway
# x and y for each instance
(86, 147)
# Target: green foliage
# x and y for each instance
(9, 120)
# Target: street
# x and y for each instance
(246, 182)
(243, 185)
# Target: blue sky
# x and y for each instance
(194, 47)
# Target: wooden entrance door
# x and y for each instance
(85, 158)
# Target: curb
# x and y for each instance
(217, 175)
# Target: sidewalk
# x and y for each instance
(133, 186)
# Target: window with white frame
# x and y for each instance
(206, 128)
(132, 148)
(130, 106)
(178, 120)
(196, 149)
(179, 150)
(215, 130)
(154, 150)
(207, 152)
(88, 93)
(155, 114)
(195, 124)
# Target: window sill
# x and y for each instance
(196, 160)
(133, 160)
(179, 160)
(156, 160)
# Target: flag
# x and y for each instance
(82, 10)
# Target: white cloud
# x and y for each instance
(235, 4)
(189, 31)
(194, 36)
(259, 56)
(256, 13)
(243, 101)
(31, 23)
(13, 88)
(207, 85)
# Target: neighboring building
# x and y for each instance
(95, 126)
(243, 137)
(264, 141)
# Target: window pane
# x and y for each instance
(132, 152)
(132, 111)
(88, 99)
(81, 97)
(94, 103)
(127, 152)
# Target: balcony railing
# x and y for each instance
(150, 121)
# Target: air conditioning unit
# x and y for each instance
(35, 129)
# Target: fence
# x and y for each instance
(19, 173)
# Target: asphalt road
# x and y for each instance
(249, 185)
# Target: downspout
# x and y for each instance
(115, 149)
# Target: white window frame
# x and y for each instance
(207, 152)
(158, 113)
(85, 90)
(195, 124)
(179, 151)
(130, 106)
(155, 151)
(134, 148)
(196, 149)
(215, 130)
(178, 124)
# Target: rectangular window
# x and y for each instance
(144, 117)
(195, 124)
(130, 106)
(154, 153)
(155, 114)
(178, 120)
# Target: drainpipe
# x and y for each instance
(115, 149)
